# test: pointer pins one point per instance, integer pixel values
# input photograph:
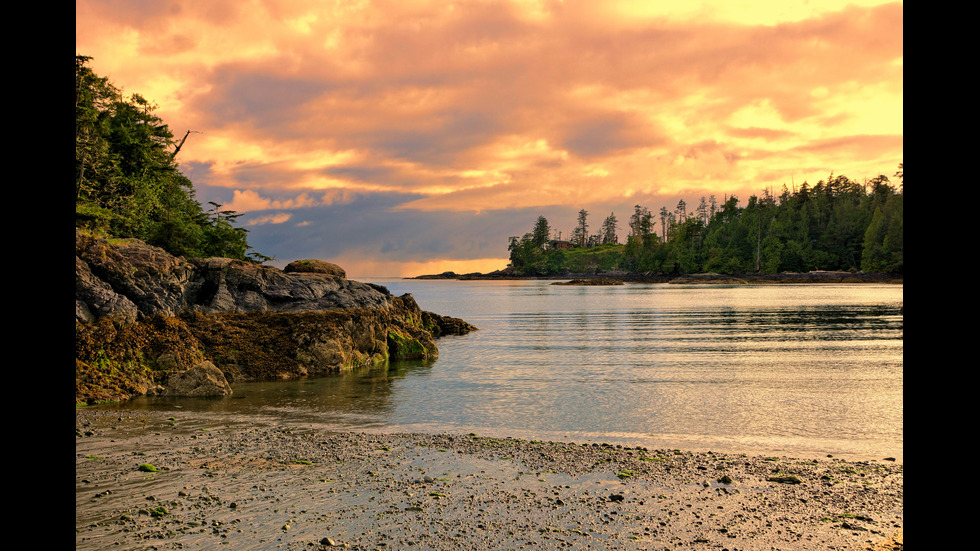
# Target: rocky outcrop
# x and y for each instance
(129, 280)
(591, 281)
(144, 317)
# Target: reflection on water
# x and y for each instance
(357, 398)
(799, 369)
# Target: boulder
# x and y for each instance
(315, 267)
(204, 379)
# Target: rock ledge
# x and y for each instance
(143, 316)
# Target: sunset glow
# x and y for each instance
(400, 138)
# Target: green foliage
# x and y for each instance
(603, 258)
(837, 225)
(531, 255)
(128, 184)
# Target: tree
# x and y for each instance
(664, 222)
(609, 230)
(702, 211)
(541, 232)
(681, 211)
(636, 219)
(127, 182)
(581, 234)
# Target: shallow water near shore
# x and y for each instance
(804, 370)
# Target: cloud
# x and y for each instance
(248, 200)
(441, 110)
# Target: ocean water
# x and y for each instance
(799, 370)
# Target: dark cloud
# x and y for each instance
(608, 133)
(263, 100)
(369, 227)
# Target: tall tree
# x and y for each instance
(581, 234)
(609, 230)
(702, 211)
(681, 211)
(541, 232)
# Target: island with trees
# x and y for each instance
(837, 228)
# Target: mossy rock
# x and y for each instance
(404, 347)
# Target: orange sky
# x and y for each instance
(399, 138)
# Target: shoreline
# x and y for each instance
(258, 484)
(707, 278)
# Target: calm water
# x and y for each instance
(804, 370)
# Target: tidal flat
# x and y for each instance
(156, 480)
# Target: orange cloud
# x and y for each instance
(474, 106)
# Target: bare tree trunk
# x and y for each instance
(181, 144)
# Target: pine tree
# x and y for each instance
(581, 234)
(541, 232)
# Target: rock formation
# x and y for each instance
(143, 316)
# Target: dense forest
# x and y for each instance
(837, 224)
(127, 181)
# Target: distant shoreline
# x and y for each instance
(710, 278)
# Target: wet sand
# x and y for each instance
(237, 484)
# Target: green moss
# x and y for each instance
(404, 347)
(787, 479)
(159, 511)
(146, 467)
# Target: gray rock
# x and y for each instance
(131, 280)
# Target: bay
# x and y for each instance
(804, 370)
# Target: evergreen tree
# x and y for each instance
(541, 232)
(581, 234)
(609, 227)
(702, 211)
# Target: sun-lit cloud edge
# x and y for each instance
(363, 268)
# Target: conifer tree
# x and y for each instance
(609, 230)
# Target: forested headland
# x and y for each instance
(127, 180)
(837, 224)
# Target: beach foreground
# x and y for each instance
(181, 480)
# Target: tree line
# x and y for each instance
(835, 224)
(127, 181)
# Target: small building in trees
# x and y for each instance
(558, 244)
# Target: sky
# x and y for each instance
(399, 138)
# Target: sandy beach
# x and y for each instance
(179, 480)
